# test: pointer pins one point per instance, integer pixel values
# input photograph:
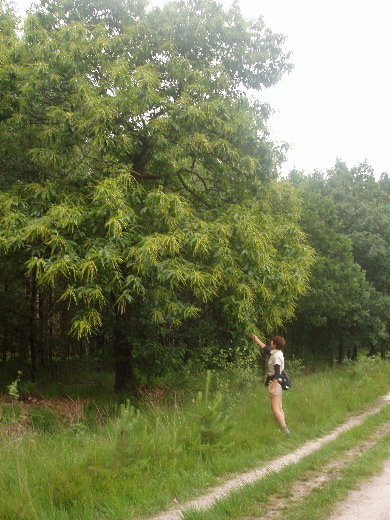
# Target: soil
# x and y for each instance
(69, 410)
(315, 479)
(374, 495)
(371, 500)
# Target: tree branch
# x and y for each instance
(192, 172)
(186, 187)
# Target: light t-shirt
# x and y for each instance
(276, 358)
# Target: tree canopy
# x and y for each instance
(138, 198)
(346, 216)
(142, 220)
(94, 87)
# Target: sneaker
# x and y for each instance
(286, 431)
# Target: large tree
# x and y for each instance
(134, 163)
(160, 92)
(362, 204)
(124, 259)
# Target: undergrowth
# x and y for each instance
(113, 461)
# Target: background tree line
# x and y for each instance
(142, 222)
(346, 216)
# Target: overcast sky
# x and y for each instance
(336, 101)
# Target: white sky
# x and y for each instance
(336, 101)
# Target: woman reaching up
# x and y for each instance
(275, 367)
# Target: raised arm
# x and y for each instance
(260, 343)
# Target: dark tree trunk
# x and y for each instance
(50, 330)
(41, 329)
(341, 355)
(124, 376)
(4, 336)
(4, 353)
(32, 287)
(124, 373)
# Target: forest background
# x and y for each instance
(144, 228)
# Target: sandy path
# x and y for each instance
(370, 501)
(206, 501)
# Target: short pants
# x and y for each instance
(278, 389)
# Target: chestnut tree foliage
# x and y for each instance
(140, 214)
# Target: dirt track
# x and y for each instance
(382, 503)
(371, 500)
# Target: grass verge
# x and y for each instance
(144, 458)
(254, 501)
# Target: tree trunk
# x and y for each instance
(41, 329)
(50, 330)
(124, 374)
(32, 288)
(4, 336)
(4, 353)
(341, 355)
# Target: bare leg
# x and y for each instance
(277, 408)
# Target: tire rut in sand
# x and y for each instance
(315, 479)
(206, 501)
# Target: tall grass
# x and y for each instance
(353, 465)
(144, 458)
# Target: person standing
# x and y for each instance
(275, 368)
